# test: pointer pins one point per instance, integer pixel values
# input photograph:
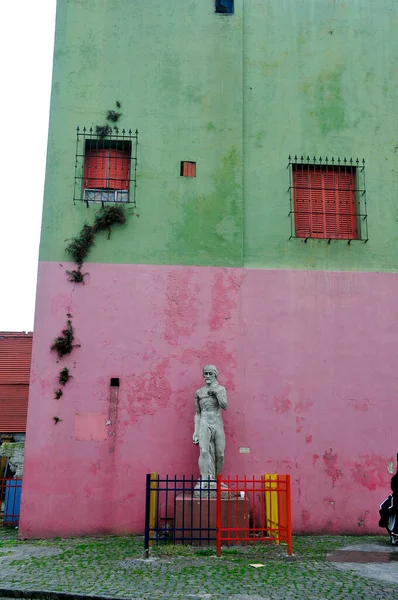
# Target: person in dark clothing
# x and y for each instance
(389, 510)
(394, 481)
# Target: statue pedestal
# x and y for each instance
(195, 518)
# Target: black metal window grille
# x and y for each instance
(225, 7)
(327, 199)
(105, 165)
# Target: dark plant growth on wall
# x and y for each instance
(107, 217)
(113, 115)
(102, 130)
(80, 246)
(58, 393)
(76, 276)
(64, 376)
(63, 344)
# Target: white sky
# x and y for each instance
(26, 49)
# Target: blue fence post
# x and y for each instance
(147, 514)
(12, 501)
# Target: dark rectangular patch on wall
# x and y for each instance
(225, 7)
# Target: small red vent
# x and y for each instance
(188, 169)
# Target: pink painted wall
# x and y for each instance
(309, 359)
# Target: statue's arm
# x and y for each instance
(221, 394)
(195, 437)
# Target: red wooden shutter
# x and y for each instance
(119, 167)
(330, 199)
(317, 204)
(324, 202)
(302, 202)
(346, 206)
(106, 168)
(340, 205)
(96, 168)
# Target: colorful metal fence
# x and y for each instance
(220, 512)
(10, 501)
(251, 510)
(176, 512)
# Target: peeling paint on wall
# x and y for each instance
(330, 461)
(370, 471)
(279, 389)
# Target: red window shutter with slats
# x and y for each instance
(119, 165)
(302, 204)
(106, 168)
(188, 169)
(346, 213)
(324, 202)
(317, 204)
(96, 169)
(331, 203)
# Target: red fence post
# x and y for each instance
(218, 515)
(289, 518)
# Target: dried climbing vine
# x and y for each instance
(78, 248)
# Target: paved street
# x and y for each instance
(114, 567)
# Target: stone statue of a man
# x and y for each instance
(211, 399)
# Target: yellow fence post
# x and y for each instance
(152, 507)
(271, 504)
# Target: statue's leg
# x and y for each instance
(204, 446)
(212, 457)
(219, 449)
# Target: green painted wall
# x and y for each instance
(176, 68)
(320, 78)
(238, 94)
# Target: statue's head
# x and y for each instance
(210, 374)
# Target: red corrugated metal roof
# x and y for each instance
(13, 408)
(15, 358)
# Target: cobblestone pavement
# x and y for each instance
(114, 567)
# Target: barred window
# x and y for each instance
(106, 165)
(328, 199)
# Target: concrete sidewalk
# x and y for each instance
(113, 567)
